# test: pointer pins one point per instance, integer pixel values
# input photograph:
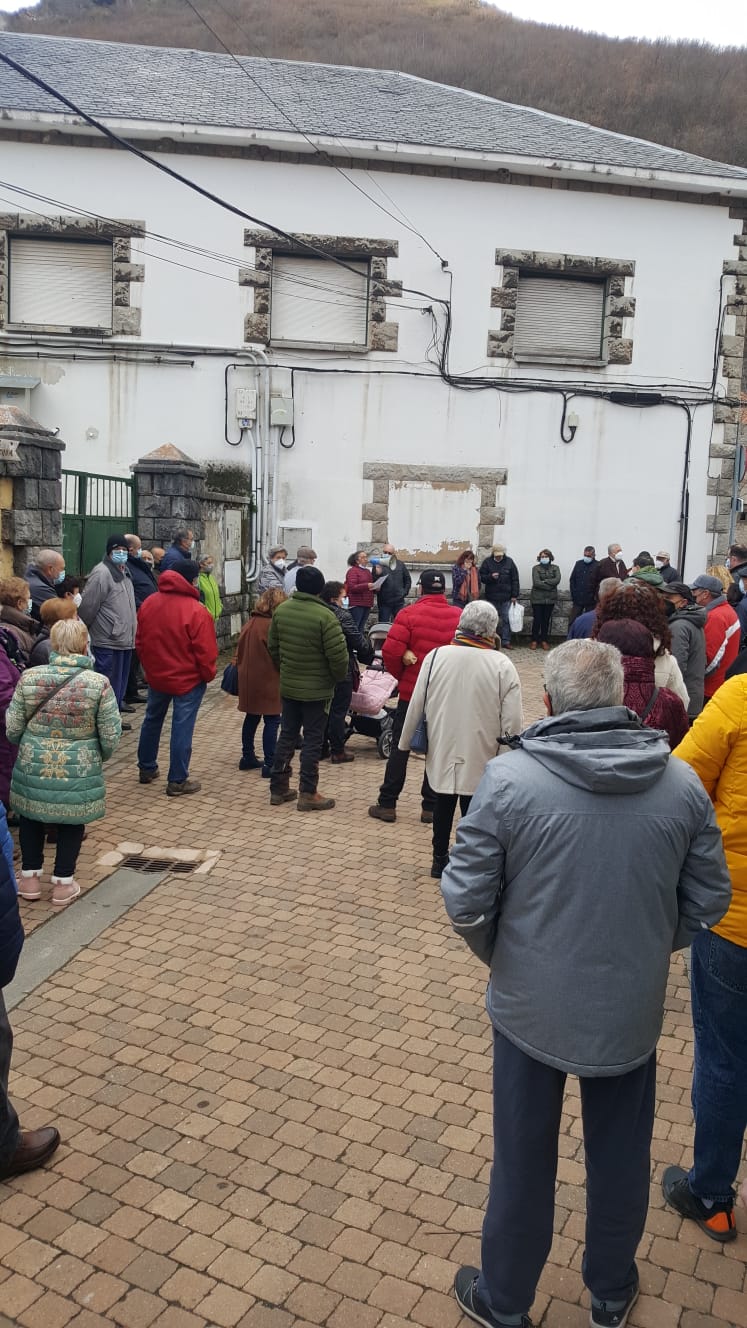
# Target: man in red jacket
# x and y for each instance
(721, 631)
(416, 630)
(176, 645)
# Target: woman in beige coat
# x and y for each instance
(471, 697)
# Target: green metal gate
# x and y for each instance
(93, 507)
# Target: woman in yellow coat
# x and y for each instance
(716, 748)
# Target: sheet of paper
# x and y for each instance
(378, 584)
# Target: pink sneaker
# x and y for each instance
(64, 891)
(30, 885)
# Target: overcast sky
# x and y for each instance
(721, 22)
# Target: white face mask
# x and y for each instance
(659, 562)
(77, 600)
(741, 585)
(29, 605)
(618, 557)
(279, 563)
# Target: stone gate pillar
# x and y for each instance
(170, 493)
(30, 490)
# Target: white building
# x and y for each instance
(594, 287)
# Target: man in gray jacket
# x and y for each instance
(586, 858)
(108, 610)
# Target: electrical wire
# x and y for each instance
(329, 161)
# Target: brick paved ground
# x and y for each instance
(273, 1086)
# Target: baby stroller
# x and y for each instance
(369, 714)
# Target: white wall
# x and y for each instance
(619, 480)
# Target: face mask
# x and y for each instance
(498, 557)
(659, 562)
(741, 585)
(345, 602)
(77, 600)
(29, 605)
(138, 553)
(587, 559)
(192, 547)
(618, 557)
(60, 577)
(670, 608)
(279, 563)
(727, 563)
(545, 562)
(119, 556)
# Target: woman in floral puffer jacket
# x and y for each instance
(65, 718)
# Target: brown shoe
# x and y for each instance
(186, 786)
(34, 1148)
(545, 645)
(341, 758)
(383, 813)
(533, 646)
(147, 776)
(283, 795)
(314, 802)
(426, 817)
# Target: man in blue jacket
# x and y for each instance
(20, 1150)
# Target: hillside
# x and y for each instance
(684, 94)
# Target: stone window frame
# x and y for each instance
(126, 320)
(730, 414)
(382, 473)
(619, 304)
(382, 334)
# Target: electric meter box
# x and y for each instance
(281, 411)
(246, 403)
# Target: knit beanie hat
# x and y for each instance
(116, 542)
(309, 580)
(186, 568)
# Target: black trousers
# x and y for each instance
(388, 612)
(396, 769)
(311, 716)
(33, 834)
(8, 1117)
(541, 619)
(134, 678)
(337, 711)
(618, 1120)
(443, 819)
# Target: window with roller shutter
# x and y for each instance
(317, 303)
(65, 284)
(558, 318)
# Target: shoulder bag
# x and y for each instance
(649, 706)
(419, 739)
(43, 704)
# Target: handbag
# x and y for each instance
(419, 739)
(230, 681)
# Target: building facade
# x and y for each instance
(440, 321)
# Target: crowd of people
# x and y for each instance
(584, 855)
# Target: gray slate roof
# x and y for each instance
(148, 83)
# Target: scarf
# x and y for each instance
(470, 587)
(469, 639)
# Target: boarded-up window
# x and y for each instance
(318, 303)
(558, 318)
(60, 283)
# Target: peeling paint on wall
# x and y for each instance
(433, 521)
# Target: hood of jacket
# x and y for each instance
(692, 613)
(173, 583)
(651, 576)
(716, 604)
(603, 751)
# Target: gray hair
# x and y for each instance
(181, 534)
(610, 547)
(47, 557)
(607, 586)
(584, 675)
(480, 618)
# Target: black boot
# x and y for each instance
(438, 865)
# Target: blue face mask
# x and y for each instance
(119, 556)
(345, 602)
(545, 562)
(60, 577)
(587, 559)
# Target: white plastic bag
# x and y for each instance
(516, 617)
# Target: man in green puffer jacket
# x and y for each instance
(307, 645)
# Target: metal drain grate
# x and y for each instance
(139, 863)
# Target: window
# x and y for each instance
(61, 283)
(318, 303)
(558, 318)
(293, 538)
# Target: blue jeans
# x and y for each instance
(115, 665)
(269, 737)
(359, 613)
(183, 718)
(618, 1119)
(388, 612)
(503, 626)
(718, 983)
